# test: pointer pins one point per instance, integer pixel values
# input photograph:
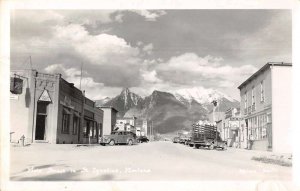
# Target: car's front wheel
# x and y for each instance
(112, 142)
(130, 142)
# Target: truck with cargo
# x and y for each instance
(206, 135)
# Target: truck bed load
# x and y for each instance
(206, 135)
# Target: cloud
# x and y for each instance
(114, 56)
(98, 49)
(189, 68)
(273, 42)
(150, 76)
(150, 15)
(148, 48)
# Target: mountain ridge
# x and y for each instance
(169, 111)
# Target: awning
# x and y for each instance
(67, 111)
(76, 114)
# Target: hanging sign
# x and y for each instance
(45, 96)
(16, 85)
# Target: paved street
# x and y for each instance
(147, 161)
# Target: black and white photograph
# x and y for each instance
(109, 95)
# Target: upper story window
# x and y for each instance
(262, 91)
(253, 96)
(253, 99)
(245, 99)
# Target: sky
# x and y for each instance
(146, 50)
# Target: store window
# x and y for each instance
(76, 123)
(65, 120)
(87, 128)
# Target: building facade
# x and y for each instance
(126, 123)
(109, 119)
(47, 108)
(232, 129)
(266, 107)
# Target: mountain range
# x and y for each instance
(169, 112)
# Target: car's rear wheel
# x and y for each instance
(211, 147)
(112, 142)
(130, 142)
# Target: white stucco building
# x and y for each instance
(266, 107)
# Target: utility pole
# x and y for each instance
(30, 62)
(80, 75)
(215, 103)
(152, 131)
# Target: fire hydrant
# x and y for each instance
(23, 140)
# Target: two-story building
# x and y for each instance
(126, 123)
(232, 129)
(109, 119)
(266, 107)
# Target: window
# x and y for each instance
(66, 120)
(94, 130)
(76, 123)
(253, 99)
(86, 128)
(245, 98)
(262, 91)
(253, 96)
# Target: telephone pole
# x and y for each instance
(80, 75)
(30, 62)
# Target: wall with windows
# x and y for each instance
(268, 114)
(69, 113)
(281, 108)
(259, 89)
(256, 100)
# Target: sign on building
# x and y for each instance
(16, 85)
(45, 96)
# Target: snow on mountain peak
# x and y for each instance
(200, 94)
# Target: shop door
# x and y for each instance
(40, 127)
(41, 117)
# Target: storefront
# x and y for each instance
(46, 108)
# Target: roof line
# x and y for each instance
(263, 69)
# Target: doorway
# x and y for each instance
(40, 127)
(41, 119)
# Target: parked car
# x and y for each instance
(188, 141)
(182, 140)
(176, 140)
(119, 137)
(142, 139)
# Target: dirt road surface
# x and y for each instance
(146, 161)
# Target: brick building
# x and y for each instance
(47, 108)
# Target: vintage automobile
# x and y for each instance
(142, 139)
(183, 140)
(176, 140)
(119, 137)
